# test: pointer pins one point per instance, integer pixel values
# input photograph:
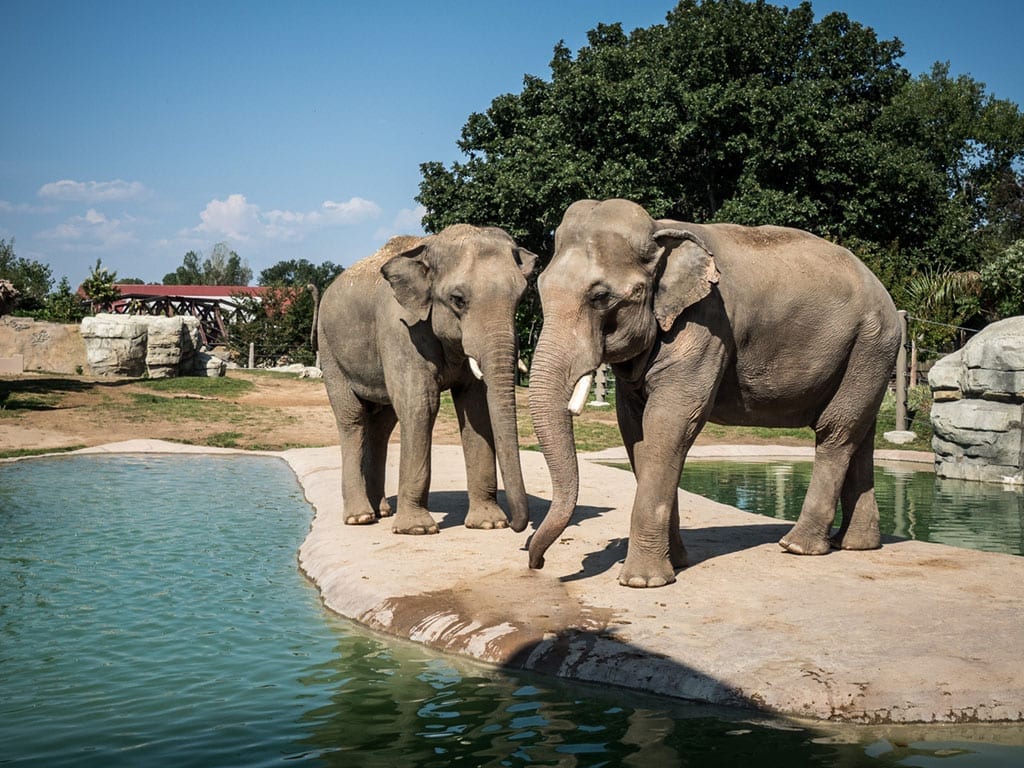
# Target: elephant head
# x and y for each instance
(617, 279)
(466, 282)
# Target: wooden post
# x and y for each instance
(901, 375)
(252, 354)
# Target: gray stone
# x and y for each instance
(978, 410)
(208, 364)
(115, 345)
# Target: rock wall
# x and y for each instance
(978, 410)
(49, 347)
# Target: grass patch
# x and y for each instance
(22, 453)
(202, 386)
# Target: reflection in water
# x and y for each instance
(152, 614)
(911, 504)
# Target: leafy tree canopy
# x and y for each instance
(299, 273)
(753, 113)
(222, 267)
(32, 279)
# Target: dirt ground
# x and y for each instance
(268, 411)
(59, 411)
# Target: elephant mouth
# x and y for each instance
(580, 393)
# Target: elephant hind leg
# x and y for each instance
(810, 535)
(363, 431)
(859, 529)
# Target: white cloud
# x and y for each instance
(91, 232)
(408, 221)
(93, 192)
(238, 219)
(235, 218)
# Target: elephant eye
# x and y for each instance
(601, 299)
(458, 302)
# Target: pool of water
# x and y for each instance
(152, 614)
(911, 504)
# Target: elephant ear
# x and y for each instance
(409, 276)
(688, 271)
(527, 261)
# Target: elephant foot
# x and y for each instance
(418, 523)
(653, 573)
(365, 518)
(384, 509)
(858, 539)
(803, 541)
(485, 515)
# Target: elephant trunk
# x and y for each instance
(554, 390)
(499, 374)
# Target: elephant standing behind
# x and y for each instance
(758, 326)
(421, 316)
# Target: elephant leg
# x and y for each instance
(843, 458)
(381, 425)
(360, 468)
(629, 411)
(478, 451)
(810, 535)
(417, 424)
(859, 529)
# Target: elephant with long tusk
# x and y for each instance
(760, 326)
(421, 316)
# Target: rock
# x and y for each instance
(900, 436)
(115, 345)
(156, 346)
(978, 410)
(208, 364)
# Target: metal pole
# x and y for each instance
(901, 375)
(252, 354)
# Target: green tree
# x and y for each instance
(222, 267)
(753, 113)
(32, 279)
(1003, 281)
(99, 288)
(299, 273)
(63, 305)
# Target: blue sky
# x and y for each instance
(135, 131)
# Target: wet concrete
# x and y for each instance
(911, 633)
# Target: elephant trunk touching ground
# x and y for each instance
(497, 366)
(559, 384)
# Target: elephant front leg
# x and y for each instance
(478, 451)
(412, 515)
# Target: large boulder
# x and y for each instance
(115, 345)
(978, 410)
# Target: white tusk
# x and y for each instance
(580, 394)
(474, 366)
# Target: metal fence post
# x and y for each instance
(252, 354)
(901, 375)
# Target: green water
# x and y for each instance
(911, 504)
(152, 614)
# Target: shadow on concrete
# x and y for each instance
(454, 506)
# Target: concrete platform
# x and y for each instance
(910, 633)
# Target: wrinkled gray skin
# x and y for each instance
(398, 328)
(764, 326)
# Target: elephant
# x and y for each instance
(759, 326)
(423, 315)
